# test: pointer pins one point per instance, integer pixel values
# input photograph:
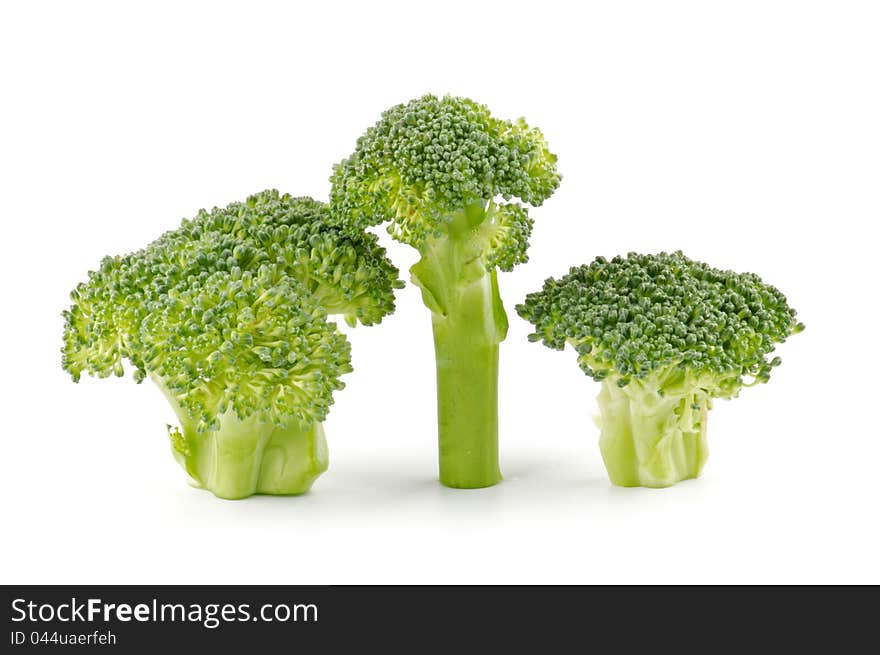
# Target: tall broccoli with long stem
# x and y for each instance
(228, 316)
(664, 335)
(441, 171)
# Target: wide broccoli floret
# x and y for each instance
(228, 316)
(348, 272)
(665, 335)
(441, 171)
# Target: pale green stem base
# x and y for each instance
(650, 440)
(248, 457)
(467, 401)
(244, 458)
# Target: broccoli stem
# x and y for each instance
(468, 322)
(467, 394)
(650, 439)
(247, 457)
(251, 456)
(293, 460)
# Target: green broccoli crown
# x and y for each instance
(349, 273)
(230, 310)
(661, 315)
(253, 342)
(431, 158)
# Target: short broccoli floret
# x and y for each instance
(228, 316)
(349, 273)
(440, 171)
(664, 335)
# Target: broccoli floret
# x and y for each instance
(665, 335)
(228, 316)
(348, 273)
(441, 171)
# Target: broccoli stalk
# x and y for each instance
(227, 315)
(664, 335)
(246, 457)
(433, 168)
(652, 436)
(243, 457)
(469, 323)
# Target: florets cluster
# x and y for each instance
(649, 315)
(428, 159)
(230, 310)
(349, 273)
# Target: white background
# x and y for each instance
(745, 133)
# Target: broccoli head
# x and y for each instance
(442, 172)
(228, 315)
(665, 335)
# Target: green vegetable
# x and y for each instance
(441, 171)
(228, 316)
(664, 335)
